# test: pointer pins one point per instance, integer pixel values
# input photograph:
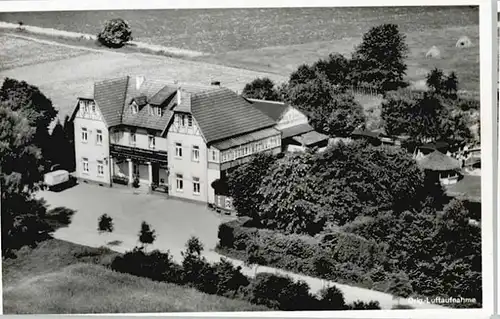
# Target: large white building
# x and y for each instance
(178, 138)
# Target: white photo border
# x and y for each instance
(489, 138)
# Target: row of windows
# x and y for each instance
(251, 148)
(184, 120)
(195, 152)
(87, 106)
(179, 184)
(85, 136)
(153, 110)
(86, 167)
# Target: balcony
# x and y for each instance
(138, 154)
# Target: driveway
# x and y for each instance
(175, 222)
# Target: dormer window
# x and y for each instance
(135, 108)
(159, 111)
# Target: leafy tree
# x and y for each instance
(287, 203)
(280, 292)
(115, 34)
(379, 60)
(25, 114)
(340, 117)
(332, 299)
(197, 271)
(229, 278)
(330, 110)
(27, 99)
(445, 85)
(254, 256)
(261, 89)
(146, 235)
(336, 68)
(245, 181)
(304, 74)
(400, 286)
(105, 224)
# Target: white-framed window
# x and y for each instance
(159, 111)
(135, 108)
(196, 153)
(179, 182)
(190, 120)
(85, 105)
(183, 119)
(85, 165)
(85, 135)
(133, 138)
(214, 155)
(100, 168)
(152, 141)
(178, 150)
(196, 185)
(116, 136)
(99, 137)
(92, 106)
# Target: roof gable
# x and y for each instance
(274, 110)
(222, 114)
(110, 97)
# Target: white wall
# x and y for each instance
(94, 152)
(188, 137)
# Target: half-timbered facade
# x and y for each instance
(178, 139)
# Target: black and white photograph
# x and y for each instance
(246, 159)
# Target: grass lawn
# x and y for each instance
(58, 277)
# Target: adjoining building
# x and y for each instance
(296, 132)
(177, 138)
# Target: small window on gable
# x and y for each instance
(190, 120)
(135, 108)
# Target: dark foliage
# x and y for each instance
(146, 234)
(115, 34)
(379, 60)
(261, 89)
(105, 224)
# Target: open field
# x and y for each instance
(285, 59)
(73, 74)
(263, 40)
(36, 284)
(222, 30)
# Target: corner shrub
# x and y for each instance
(105, 224)
(361, 305)
(332, 299)
(229, 278)
(281, 293)
(115, 34)
(156, 265)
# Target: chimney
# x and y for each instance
(178, 95)
(139, 81)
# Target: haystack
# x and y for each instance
(433, 52)
(464, 42)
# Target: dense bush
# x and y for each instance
(281, 293)
(115, 34)
(154, 265)
(105, 223)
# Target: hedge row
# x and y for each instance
(224, 279)
(338, 256)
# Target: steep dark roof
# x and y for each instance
(222, 114)
(110, 96)
(272, 109)
(161, 96)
